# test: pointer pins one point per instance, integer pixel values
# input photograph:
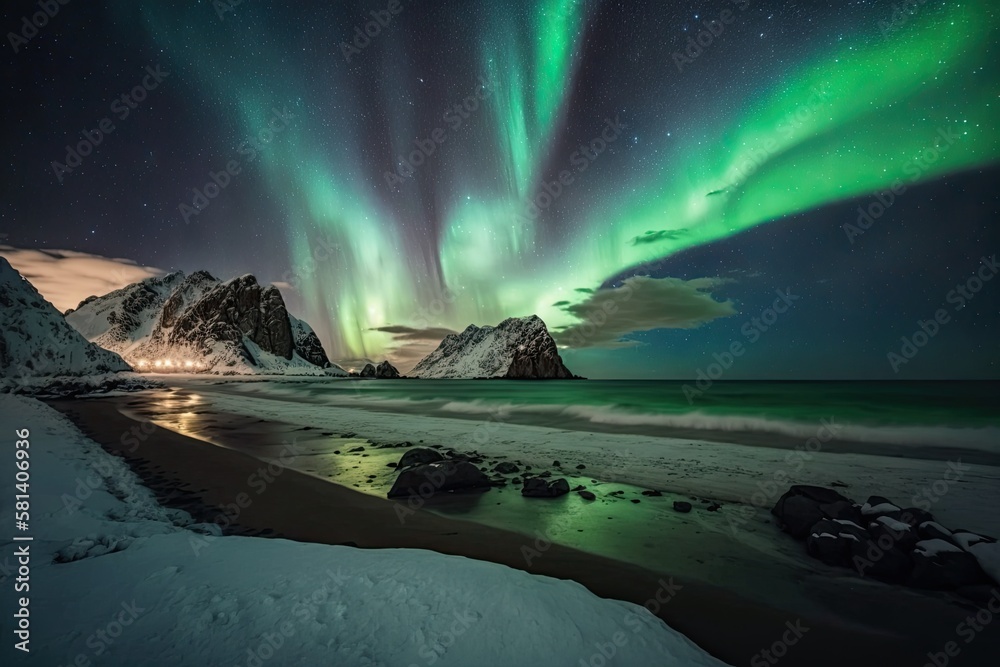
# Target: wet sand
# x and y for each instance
(852, 622)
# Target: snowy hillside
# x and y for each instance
(196, 323)
(515, 348)
(176, 596)
(36, 341)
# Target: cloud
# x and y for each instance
(66, 277)
(642, 303)
(409, 333)
(410, 345)
(659, 235)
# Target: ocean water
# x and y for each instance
(952, 414)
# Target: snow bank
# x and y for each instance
(117, 579)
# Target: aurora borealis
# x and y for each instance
(736, 119)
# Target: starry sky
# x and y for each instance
(648, 177)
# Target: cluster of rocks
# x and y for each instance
(425, 471)
(881, 540)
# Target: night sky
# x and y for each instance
(585, 161)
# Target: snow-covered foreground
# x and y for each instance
(117, 579)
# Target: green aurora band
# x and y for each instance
(841, 126)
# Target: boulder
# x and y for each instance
(830, 540)
(652, 493)
(843, 509)
(940, 565)
(682, 506)
(537, 487)
(419, 456)
(797, 514)
(879, 506)
(506, 468)
(966, 538)
(386, 371)
(931, 530)
(586, 495)
(799, 508)
(886, 530)
(915, 516)
(428, 479)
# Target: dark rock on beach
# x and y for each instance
(418, 456)
(428, 479)
(536, 487)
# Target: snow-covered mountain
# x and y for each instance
(515, 348)
(36, 341)
(197, 323)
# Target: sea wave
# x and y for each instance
(578, 415)
(986, 439)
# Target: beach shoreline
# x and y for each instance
(307, 507)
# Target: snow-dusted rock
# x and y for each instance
(938, 564)
(878, 506)
(831, 541)
(36, 341)
(386, 371)
(441, 477)
(799, 509)
(419, 455)
(535, 487)
(515, 348)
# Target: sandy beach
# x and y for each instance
(736, 583)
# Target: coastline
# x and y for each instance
(305, 507)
